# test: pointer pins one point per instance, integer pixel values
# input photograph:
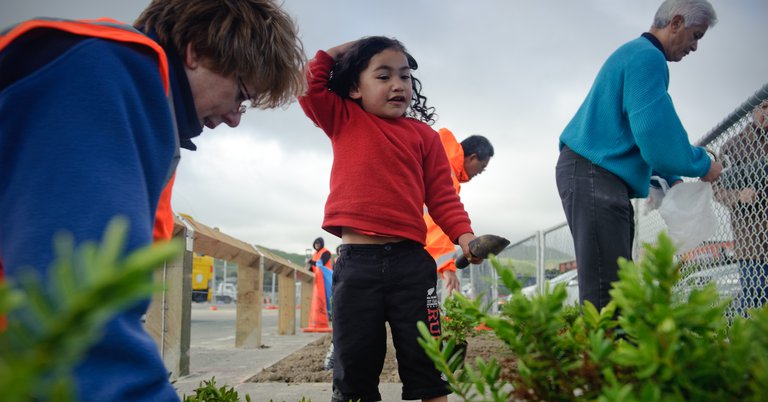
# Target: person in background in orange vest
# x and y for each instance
(88, 131)
(467, 160)
(320, 308)
(322, 258)
(321, 254)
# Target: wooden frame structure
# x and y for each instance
(168, 319)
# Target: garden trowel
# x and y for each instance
(482, 246)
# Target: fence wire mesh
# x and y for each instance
(735, 258)
(523, 257)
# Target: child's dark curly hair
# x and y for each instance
(346, 73)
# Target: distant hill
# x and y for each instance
(297, 259)
(528, 252)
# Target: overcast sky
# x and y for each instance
(513, 71)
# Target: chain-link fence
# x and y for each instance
(735, 258)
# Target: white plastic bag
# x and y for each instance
(656, 192)
(687, 211)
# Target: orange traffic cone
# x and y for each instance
(318, 310)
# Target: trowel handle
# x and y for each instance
(462, 262)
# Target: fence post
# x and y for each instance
(540, 261)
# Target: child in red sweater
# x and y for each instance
(391, 164)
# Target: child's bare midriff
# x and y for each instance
(351, 236)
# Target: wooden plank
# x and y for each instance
(249, 304)
(286, 296)
(211, 241)
(168, 318)
(281, 266)
(153, 321)
(306, 301)
(186, 312)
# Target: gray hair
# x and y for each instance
(695, 12)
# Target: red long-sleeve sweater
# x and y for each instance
(384, 170)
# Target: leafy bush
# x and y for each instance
(455, 325)
(208, 392)
(55, 321)
(646, 345)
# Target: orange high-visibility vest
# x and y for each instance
(318, 255)
(106, 28)
(164, 218)
(438, 245)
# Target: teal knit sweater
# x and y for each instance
(628, 124)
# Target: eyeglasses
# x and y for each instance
(245, 96)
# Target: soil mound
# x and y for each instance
(306, 364)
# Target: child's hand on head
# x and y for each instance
(339, 50)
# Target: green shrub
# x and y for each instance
(56, 321)
(208, 392)
(646, 345)
(455, 325)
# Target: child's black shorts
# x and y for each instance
(373, 284)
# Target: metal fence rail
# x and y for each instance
(735, 258)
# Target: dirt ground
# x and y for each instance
(306, 365)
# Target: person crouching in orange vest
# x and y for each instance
(467, 160)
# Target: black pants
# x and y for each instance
(374, 284)
(601, 219)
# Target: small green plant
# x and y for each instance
(53, 322)
(648, 344)
(455, 325)
(208, 392)
(471, 383)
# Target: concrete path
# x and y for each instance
(230, 366)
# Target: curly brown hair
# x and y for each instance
(346, 73)
(254, 40)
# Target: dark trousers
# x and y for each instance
(372, 285)
(601, 218)
(752, 278)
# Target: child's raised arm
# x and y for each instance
(323, 107)
(339, 50)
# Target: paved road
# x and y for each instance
(212, 328)
(213, 353)
(216, 328)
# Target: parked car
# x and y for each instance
(570, 278)
(725, 277)
(226, 293)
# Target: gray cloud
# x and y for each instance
(514, 71)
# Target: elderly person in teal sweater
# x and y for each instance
(625, 131)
